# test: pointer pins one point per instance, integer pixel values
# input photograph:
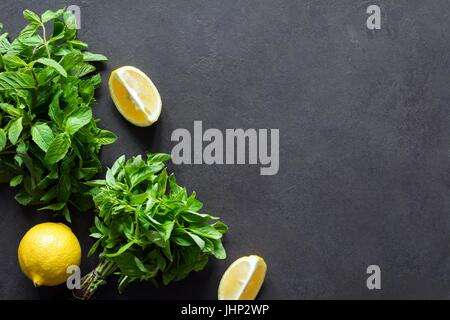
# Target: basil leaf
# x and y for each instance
(16, 181)
(206, 231)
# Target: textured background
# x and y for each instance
(364, 138)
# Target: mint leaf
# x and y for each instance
(42, 135)
(16, 80)
(57, 150)
(2, 139)
(70, 20)
(106, 137)
(31, 16)
(4, 43)
(79, 119)
(51, 15)
(80, 70)
(55, 65)
(13, 61)
(71, 60)
(15, 130)
(89, 56)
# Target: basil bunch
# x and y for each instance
(148, 227)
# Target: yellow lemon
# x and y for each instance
(135, 96)
(46, 251)
(243, 279)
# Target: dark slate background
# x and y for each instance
(364, 138)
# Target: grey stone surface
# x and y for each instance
(364, 126)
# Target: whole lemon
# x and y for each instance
(46, 251)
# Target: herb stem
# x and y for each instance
(44, 35)
(94, 279)
(7, 152)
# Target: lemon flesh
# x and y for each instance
(243, 279)
(46, 251)
(135, 96)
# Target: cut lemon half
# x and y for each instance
(243, 279)
(135, 96)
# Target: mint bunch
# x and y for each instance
(49, 139)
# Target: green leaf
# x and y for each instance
(80, 70)
(63, 188)
(96, 235)
(79, 119)
(31, 16)
(219, 250)
(91, 57)
(196, 217)
(220, 226)
(54, 111)
(58, 148)
(79, 44)
(96, 81)
(106, 137)
(51, 15)
(70, 20)
(66, 214)
(199, 241)
(15, 130)
(42, 136)
(23, 198)
(50, 195)
(53, 207)
(4, 43)
(2, 139)
(10, 80)
(9, 109)
(121, 250)
(140, 265)
(94, 247)
(13, 61)
(123, 283)
(206, 231)
(16, 181)
(183, 240)
(158, 157)
(53, 64)
(71, 60)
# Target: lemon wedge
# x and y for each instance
(135, 96)
(243, 279)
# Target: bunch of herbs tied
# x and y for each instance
(148, 227)
(49, 139)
